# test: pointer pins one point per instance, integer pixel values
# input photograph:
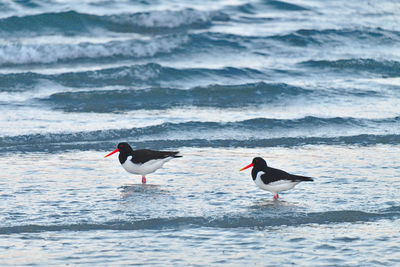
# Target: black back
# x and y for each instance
(142, 155)
(272, 175)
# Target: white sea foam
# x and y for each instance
(42, 89)
(166, 18)
(17, 53)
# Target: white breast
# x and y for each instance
(145, 168)
(274, 187)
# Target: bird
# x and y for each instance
(142, 161)
(271, 179)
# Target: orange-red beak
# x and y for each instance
(248, 166)
(115, 151)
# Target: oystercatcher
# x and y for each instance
(273, 180)
(142, 161)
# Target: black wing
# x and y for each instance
(144, 155)
(273, 175)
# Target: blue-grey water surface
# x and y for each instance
(311, 86)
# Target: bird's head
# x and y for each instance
(123, 148)
(258, 163)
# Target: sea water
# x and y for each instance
(311, 86)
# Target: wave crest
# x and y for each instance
(222, 96)
(389, 68)
(259, 221)
(259, 132)
(11, 54)
(72, 22)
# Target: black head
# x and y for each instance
(124, 148)
(259, 163)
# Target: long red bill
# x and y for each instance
(115, 151)
(248, 166)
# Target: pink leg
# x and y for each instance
(143, 180)
(276, 196)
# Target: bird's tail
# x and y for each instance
(304, 178)
(175, 154)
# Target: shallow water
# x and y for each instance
(312, 87)
(78, 208)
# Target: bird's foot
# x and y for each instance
(143, 180)
(276, 196)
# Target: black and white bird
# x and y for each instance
(142, 161)
(273, 180)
